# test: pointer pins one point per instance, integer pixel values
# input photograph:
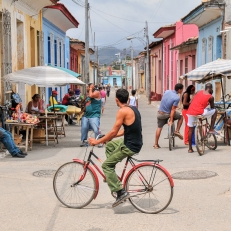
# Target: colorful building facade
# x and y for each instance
(208, 17)
(21, 42)
(173, 35)
(56, 21)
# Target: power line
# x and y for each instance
(124, 38)
(160, 2)
(122, 18)
(111, 22)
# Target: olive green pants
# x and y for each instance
(116, 151)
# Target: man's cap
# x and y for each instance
(54, 92)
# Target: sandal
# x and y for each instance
(177, 133)
(190, 151)
(156, 146)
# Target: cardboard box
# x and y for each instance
(39, 133)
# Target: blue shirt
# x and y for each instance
(170, 98)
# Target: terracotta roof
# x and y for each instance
(155, 43)
(190, 41)
(65, 11)
(164, 28)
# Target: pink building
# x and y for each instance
(186, 57)
(172, 36)
(156, 49)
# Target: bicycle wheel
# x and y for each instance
(173, 135)
(170, 137)
(211, 141)
(154, 194)
(68, 191)
(200, 145)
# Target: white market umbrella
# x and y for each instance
(213, 70)
(42, 76)
(209, 71)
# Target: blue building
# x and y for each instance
(113, 80)
(208, 16)
(56, 21)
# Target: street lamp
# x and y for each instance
(130, 38)
(148, 80)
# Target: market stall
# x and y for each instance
(43, 76)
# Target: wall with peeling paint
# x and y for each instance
(24, 30)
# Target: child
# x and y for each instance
(133, 100)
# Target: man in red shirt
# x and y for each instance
(198, 106)
(66, 102)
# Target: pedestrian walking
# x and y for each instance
(133, 100)
(186, 101)
(103, 98)
(108, 89)
(91, 117)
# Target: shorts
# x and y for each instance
(208, 112)
(103, 101)
(162, 119)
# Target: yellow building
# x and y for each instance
(21, 41)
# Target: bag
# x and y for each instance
(16, 98)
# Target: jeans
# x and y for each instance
(116, 151)
(89, 122)
(8, 142)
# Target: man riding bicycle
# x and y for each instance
(198, 107)
(167, 110)
(117, 150)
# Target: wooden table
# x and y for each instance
(49, 120)
(29, 129)
(60, 131)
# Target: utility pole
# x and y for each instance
(97, 58)
(148, 76)
(87, 57)
(125, 61)
(132, 64)
(94, 80)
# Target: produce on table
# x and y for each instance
(25, 118)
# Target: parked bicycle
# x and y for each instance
(203, 137)
(150, 185)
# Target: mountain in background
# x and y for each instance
(107, 55)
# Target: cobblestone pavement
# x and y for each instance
(28, 202)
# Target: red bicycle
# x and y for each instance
(150, 185)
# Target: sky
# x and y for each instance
(114, 20)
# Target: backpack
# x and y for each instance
(16, 99)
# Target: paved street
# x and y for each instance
(28, 202)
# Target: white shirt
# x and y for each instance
(132, 101)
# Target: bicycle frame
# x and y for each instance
(134, 168)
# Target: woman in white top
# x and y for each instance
(133, 100)
(34, 106)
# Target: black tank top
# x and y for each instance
(188, 100)
(133, 133)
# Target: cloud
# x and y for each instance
(109, 24)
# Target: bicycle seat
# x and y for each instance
(155, 161)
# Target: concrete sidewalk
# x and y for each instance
(28, 202)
